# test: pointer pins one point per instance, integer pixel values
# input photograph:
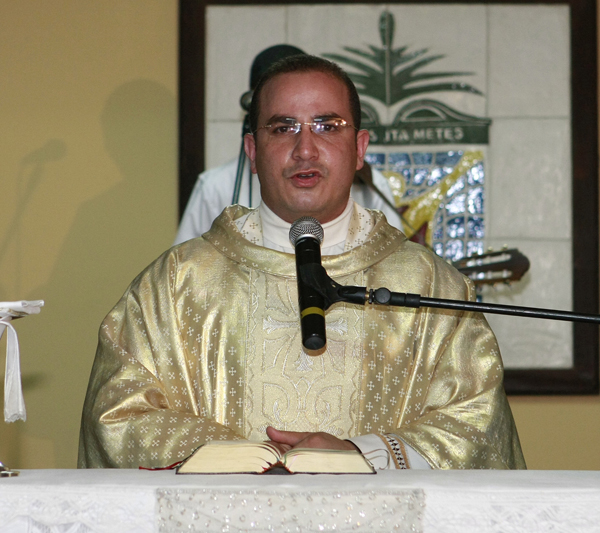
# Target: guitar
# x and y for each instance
(502, 266)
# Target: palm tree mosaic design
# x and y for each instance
(439, 193)
(389, 74)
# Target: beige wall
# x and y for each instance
(94, 84)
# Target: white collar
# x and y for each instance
(277, 231)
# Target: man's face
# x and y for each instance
(305, 174)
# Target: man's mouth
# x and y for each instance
(304, 175)
(306, 178)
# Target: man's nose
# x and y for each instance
(305, 146)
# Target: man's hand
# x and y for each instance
(298, 439)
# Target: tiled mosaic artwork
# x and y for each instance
(459, 224)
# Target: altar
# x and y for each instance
(139, 501)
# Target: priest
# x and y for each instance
(205, 344)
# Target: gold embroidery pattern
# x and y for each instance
(297, 391)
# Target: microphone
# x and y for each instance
(306, 235)
(246, 100)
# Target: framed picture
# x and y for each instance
(494, 102)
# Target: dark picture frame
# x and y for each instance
(583, 377)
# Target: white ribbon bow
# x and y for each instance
(14, 403)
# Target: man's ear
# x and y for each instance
(250, 149)
(362, 141)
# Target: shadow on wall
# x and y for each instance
(113, 237)
(31, 172)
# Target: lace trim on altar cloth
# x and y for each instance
(78, 510)
(210, 511)
(514, 511)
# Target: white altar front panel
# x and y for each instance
(413, 501)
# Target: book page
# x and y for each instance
(230, 457)
(310, 460)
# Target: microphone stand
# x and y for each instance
(316, 276)
(241, 165)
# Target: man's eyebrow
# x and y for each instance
(281, 118)
(287, 118)
(327, 116)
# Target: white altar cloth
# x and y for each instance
(78, 501)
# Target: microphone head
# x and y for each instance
(246, 100)
(306, 226)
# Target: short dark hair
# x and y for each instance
(304, 63)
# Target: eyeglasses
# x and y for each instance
(324, 127)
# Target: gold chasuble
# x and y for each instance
(205, 344)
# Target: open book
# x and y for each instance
(238, 457)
